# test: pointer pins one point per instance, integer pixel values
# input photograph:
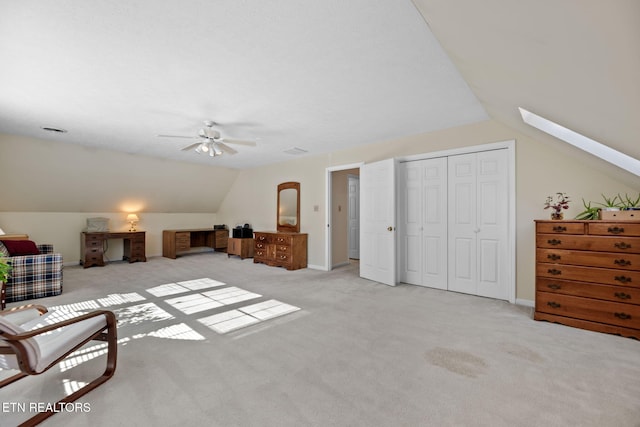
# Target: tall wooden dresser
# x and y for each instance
(588, 275)
(281, 249)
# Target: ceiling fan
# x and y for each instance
(211, 142)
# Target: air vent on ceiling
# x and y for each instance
(295, 151)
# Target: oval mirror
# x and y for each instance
(289, 207)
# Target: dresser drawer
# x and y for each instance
(614, 229)
(589, 243)
(612, 313)
(561, 227)
(93, 243)
(588, 258)
(263, 238)
(283, 258)
(589, 274)
(282, 240)
(624, 294)
(260, 254)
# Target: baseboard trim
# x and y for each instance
(316, 267)
(525, 302)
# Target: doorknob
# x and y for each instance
(389, 228)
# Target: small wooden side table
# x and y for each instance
(243, 247)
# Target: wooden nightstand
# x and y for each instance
(243, 247)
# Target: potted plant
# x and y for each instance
(611, 203)
(630, 204)
(557, 204)
(5, 269)
(590, 212)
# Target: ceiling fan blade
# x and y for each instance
(224, 147)
(239, 142)
(191, 147)
(176, 136)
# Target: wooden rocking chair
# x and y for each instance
(32, 341)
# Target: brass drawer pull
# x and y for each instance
(553, 304)
(622, 245)
(554, 271)
(622, 295)
(554, 286)
(622, 262)
(615, 230)
(262, 237)
(559, 228)
(623, 279)
(554, 242)
(623, 316)
(553, 257)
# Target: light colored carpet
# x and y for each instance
(356, 353)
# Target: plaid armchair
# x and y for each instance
(34, 276)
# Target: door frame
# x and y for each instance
(328, 265)
(510, 145)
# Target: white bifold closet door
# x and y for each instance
(423, 241)
(455, 223)
(478, 223)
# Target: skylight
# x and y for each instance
(596, 148)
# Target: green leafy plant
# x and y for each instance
(627, 202)
(590, 212)
(611, 202)
(5, 269)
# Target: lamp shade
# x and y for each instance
(132, 217)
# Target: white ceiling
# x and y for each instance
(320, 76)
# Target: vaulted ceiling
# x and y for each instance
(319, 76)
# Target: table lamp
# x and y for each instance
(132, 219)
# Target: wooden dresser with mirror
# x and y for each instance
(286, 247)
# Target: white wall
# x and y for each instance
(541, 170)
(46, 176)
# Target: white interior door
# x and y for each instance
(462, 223)
(493, 220)
(434, 227)
(478, 223)
(423, 235)
(354, 216)
(377, 222)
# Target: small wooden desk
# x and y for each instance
(92, 251)
(176, 241)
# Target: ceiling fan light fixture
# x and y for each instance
(204, 147)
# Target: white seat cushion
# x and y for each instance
(46, 348)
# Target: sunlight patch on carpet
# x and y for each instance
(141, 313)
(194, 303)
(203, 283)
(76, 306)
(117, 299)
(228, 321)
(181, 287)
(248, 315)
(230, 295)
(269, 309)
(180, 331)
